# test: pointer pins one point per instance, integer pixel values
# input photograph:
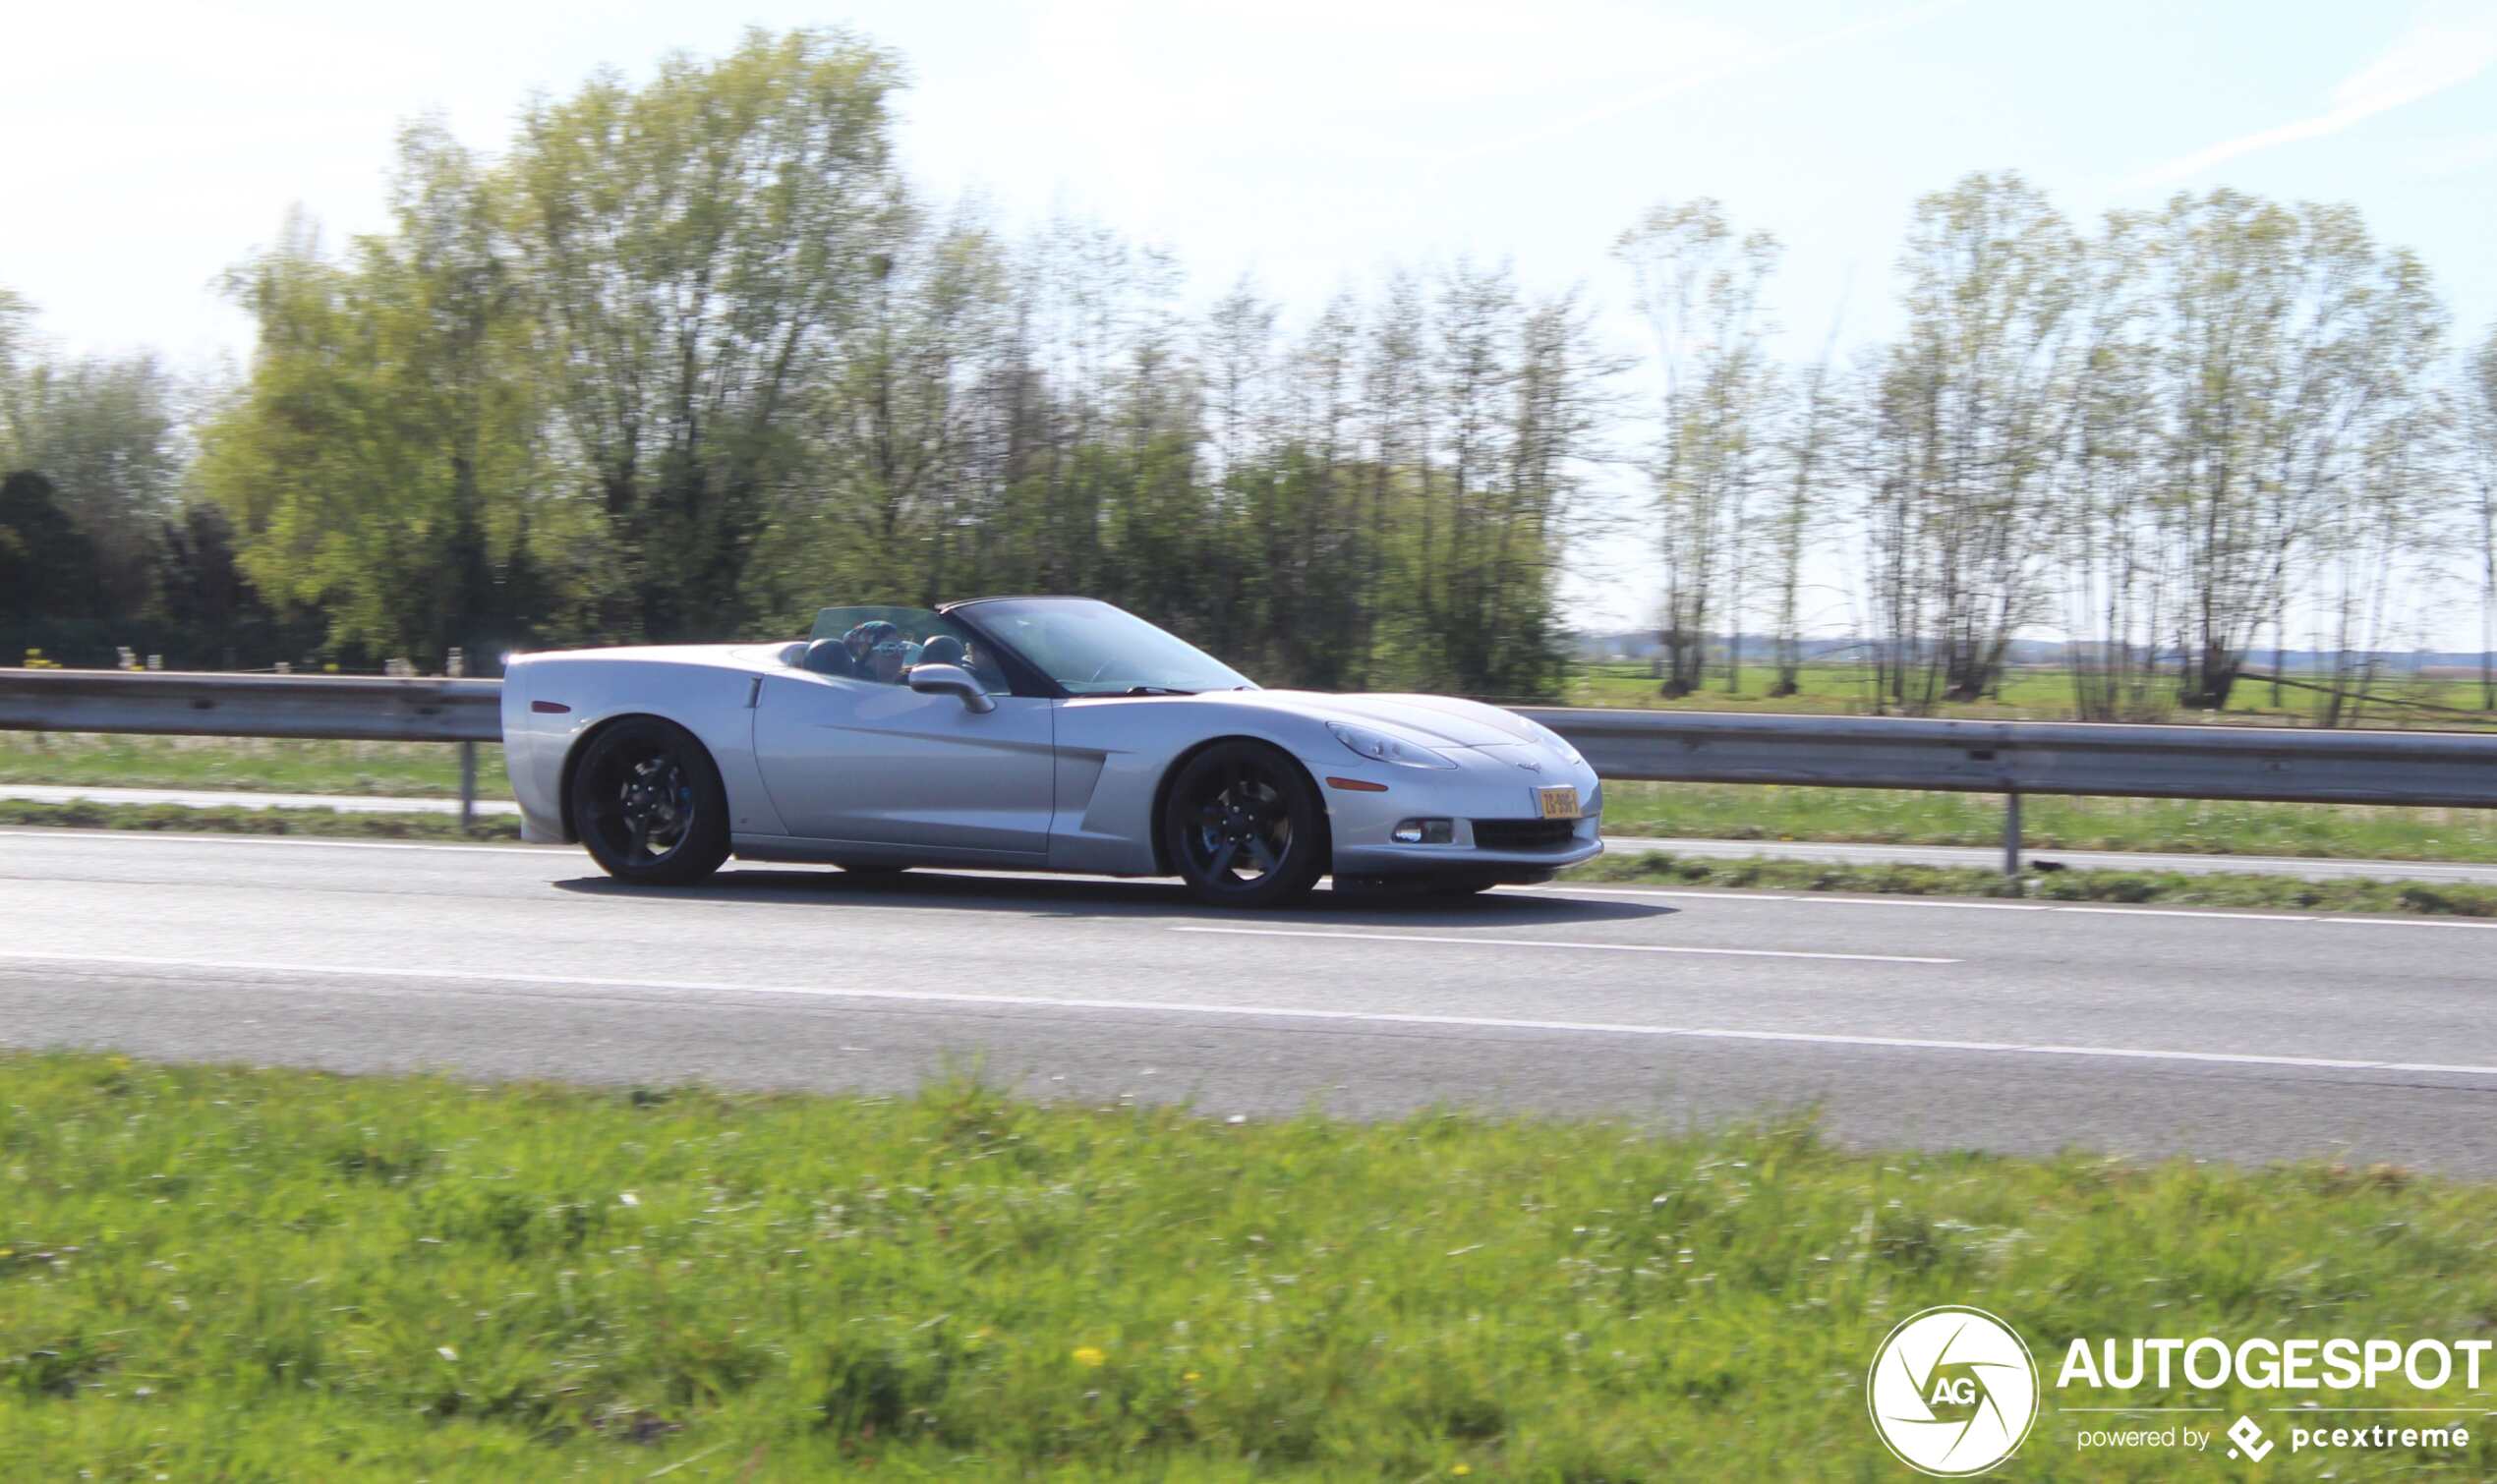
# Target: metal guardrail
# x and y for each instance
(184, 703)
(339, 708)
(2265, 765)
(2270, 765)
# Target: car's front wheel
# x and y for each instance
(1243, 828)
(649, 804)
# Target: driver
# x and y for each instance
(862, 640)
(889, 659)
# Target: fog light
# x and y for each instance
(1423, 831)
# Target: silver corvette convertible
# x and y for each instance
(1035, 734)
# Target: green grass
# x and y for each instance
(218, 1274)
(2028, 694)
(1720, 810)
(2173, 888)
(173, 819)
(261, 765)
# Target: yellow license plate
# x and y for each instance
(1558, 803)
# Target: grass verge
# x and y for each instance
(176, 819)
(2164, 888)
(238, 1274)
(2188, 827)
(258, 764)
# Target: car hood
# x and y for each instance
(1435, 720)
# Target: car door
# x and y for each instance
(884, 765)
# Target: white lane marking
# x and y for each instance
(517, 850)
(1274, 1012)
(1722, 893)
(2405, 922)
(2257, 917)
(1543, 943)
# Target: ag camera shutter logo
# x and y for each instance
(1953, 1392)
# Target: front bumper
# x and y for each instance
(1488, 783)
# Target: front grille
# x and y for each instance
(1524, 834)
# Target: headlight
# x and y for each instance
(1379, 747)
(1554, 740)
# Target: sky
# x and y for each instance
(1307, 146)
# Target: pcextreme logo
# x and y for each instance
(1953, 1392)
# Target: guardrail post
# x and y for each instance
(467, 786)
(2011, 833)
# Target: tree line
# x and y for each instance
(688, 359)
(2178, 437)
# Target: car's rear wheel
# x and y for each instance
(649, 805)
(1243, 828)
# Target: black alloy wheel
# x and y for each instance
(1243, 828)
(649, 806)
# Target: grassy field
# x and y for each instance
(1715, 810)
(2027, 695)
(216, 1274)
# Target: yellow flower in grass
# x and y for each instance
(1091, 1356)
(1461, 1470)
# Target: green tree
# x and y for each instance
(699, 248)
(47, 566)
(382, 456)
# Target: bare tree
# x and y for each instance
(1700, 285)
(1813, 456)
(2266, 381)
(2115, 578)
(2479, 441)
(1977, 408)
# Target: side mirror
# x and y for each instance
(952, 680)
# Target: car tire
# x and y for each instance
(649, 806)
(1243, 828)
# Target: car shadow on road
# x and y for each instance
(1058, 896)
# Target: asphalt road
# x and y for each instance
(1906, 1021)
(1984, 858)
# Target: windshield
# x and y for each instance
(1095, 650)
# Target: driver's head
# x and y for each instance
(863, 639)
